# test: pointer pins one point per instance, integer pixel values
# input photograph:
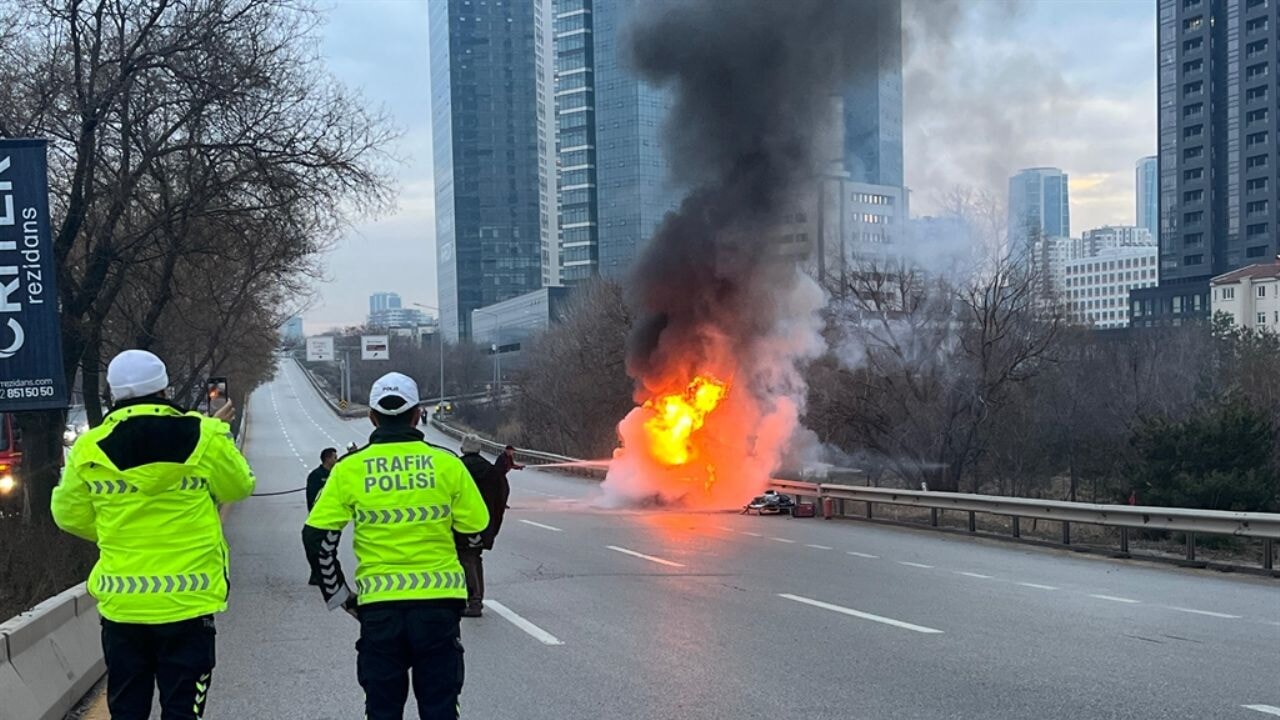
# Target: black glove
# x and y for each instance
(352, 606)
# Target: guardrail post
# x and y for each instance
(1268, 554)
(973, 522)
(1124, 540)
(1017, 526)
(1191, 547)
(869, 512)
(1066, 533)
(933, 517)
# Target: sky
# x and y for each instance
(1013, 84)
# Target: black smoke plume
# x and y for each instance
(752, 84)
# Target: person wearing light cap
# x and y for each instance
(407, 499)
(145, 485)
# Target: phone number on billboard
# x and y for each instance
(29, 392)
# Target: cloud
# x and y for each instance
(1014, 90)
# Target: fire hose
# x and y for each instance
(279, 492)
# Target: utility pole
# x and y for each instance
(440, 342)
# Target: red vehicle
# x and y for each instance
(10, 464)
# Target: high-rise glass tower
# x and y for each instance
(491, 146)
(1147, 193)
(1039, 206)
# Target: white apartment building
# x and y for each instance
(1250, 296)
(1097, 288)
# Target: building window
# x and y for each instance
(1192, 66)
(1192, 218)
(1193, 88)
(1262, 318)
(1253, 4)
(1256, 93)
(1256, 184)
(1256, 251)
(1254, 25)
(1193, 153)
(1193, 131)
(1256, 161)
(1193, 260)
(1255, 71)
(1258, 138)
(1228, 293)
(1257, 229)
(1191, 196)
(1194, 23)
(1255, 207)
(1193, 109)
(1193, 239)
(1193, 44)
(1259, 115)
(1262, 291)
(1193, 174)
(1255, 48)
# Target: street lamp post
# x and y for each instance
(496, 348)
(440, 342)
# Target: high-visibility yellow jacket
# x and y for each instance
(407, 499)
(145, 486)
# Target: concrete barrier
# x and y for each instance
(50, 657)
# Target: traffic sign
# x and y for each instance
(375, 347)
(320, 349)
(342, 404)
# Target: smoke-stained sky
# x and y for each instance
(1063, 82)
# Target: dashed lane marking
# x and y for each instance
(1264, 709)
(1207, 613)
(782, 540)
(642, 556)
(1113, 598)
(819, 547)
(862, 615)
(863, 555)
(915, 565)
(540, 525)
(514, 618)
(1037, 586)
(752, 534)
(979, 576)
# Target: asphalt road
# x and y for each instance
(639, 615)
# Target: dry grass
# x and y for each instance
(38, 561)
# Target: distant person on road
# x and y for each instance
(145, 486)
(317, 478)
(407, 499)
(495, 490)
(507, 461)
(315, 483)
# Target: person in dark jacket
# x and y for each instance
(495, 490)
(315, 483)
(507, 462)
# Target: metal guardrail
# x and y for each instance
(1264, 526)
(523, 456)
(1192, 522)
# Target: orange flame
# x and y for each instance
(677, 417)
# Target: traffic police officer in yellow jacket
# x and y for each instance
(408, 499)
(145, 486)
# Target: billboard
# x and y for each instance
(31, 376)
(374, 347)
(320, 349)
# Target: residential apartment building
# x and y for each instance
(1250, 296)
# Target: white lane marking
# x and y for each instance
(1037, 586)
(744, 532)
(1113, 598)
(979, 576)
(540, 525)
(863, 555)
(915, 565)
(1208, 613)
(510, 615)
(819, 547)
(782, 540)
(1264, 709)
(726, 529)
(642, 556)
(859, 614)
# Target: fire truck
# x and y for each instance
(10, 465)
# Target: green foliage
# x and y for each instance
(1218, 459)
